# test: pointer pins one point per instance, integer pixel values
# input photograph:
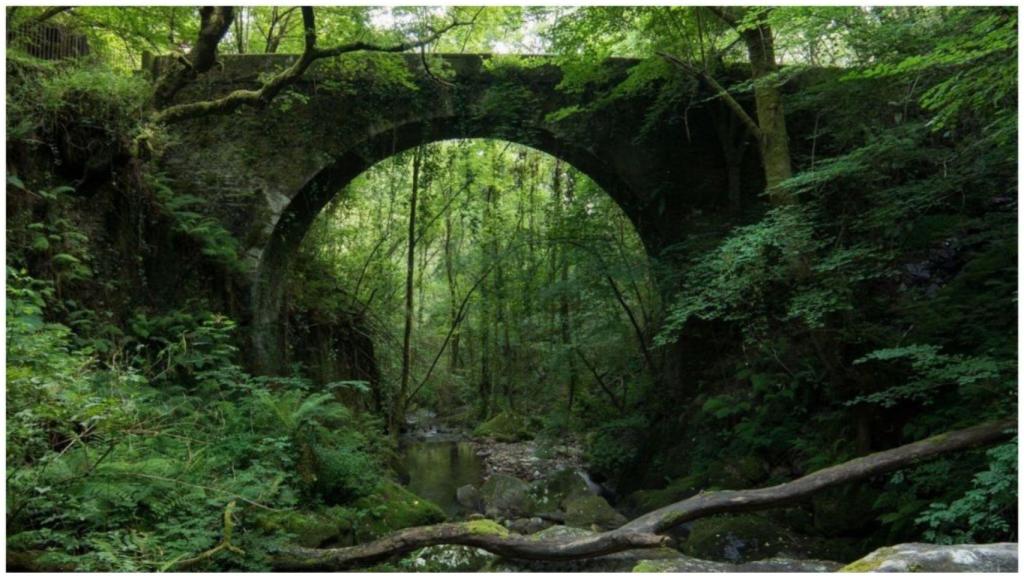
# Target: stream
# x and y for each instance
(437, 468)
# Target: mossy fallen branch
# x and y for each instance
(225, 543)
(645, 531)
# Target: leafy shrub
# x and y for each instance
(613, 446)
(985, 513)
(112, 468)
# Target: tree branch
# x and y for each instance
(645, 531)
(272, 87)
(637, 329)
(731, 102)
(600, 381)
(50, 13)
(214, 24)
(729, 15)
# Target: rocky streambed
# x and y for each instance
(542, 490)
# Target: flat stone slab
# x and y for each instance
(917, 557)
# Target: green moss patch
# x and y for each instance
(305, 528)
(391, 507)
(506, 427)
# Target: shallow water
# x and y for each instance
(436, 469)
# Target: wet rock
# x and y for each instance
(469, 498)
(528, 525)
(592, 512)
(687, 564)
(567, 483)
(918, 557)
(446, 558)
(506, 496)
(552, 492)
(737, 539)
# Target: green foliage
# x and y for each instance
(933, 370)
(112, 467)
(190, 217)
(984, 513)
(86, 106)
(740, 279)
(613, 446)
(878, 308)
(978, 50)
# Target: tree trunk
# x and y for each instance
(449, 267)
(771, 117)
(564, 308)
(398, 410)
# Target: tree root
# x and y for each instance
(645, 531)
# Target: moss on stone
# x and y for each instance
(391, 507)
(735, 538)
(305, 528)
(869, 563)
(592, 512)
(505, 427)
(487, 528)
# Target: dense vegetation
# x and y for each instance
(866, 300)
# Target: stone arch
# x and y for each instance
(294, 220)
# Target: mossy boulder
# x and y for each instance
(551, 493)
(391, 507)
(740, 538)
(592, 512)
(469, 498)
(643, 501)
(506, 427)
(566, 483)
(506, 496)
(305, 528)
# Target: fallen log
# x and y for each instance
(645, 531)
(485, 534)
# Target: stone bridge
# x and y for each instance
(267, 173)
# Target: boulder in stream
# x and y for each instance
(592, 512)
(507, 496)
(469, 498)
